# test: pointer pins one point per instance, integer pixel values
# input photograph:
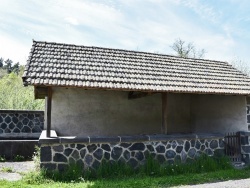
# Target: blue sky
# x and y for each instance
(221, 27)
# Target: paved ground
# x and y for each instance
(245, 183)
(18, 169)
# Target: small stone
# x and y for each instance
(150, 148)
(72, 146)
(174, 144)
(179, 149)
(7, 130)
(116, 153)
(36, 129)
(177, 158)
(198, 145)
(191, 153)
(170, 154)
(209, 152)
(107, 156)
(203, 148)
(125, 145)
(1, 119)
(16, 130)
(98, 154)
(137, 147)
(60, 158)
(214, 144)
(160, 149)
(31, 116)
(106, 147)
(83, 153)
(221, 143)
(25, 121)
(58, 148)
(126, 155)
(72, 161)
(75, 154)
(183, 156)
(15, 120)
(91, 148)
(8, 119)
(26, 129)
(3, 126)
(46, 155)
(88, 159)
(187, 146)
(80, 146)
(19, 125)
(192, 143)
(139, 156)
(67, 151)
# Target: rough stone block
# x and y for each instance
(137, 146)
(46, 155)
(48, 166)
(60, 158)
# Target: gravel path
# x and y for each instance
(244, 183)
(18, 168)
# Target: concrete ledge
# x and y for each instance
(121, 139)
(17, 136)
(21, 111)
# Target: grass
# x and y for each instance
(7, 169)
(34, 179)
(151, 174)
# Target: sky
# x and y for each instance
(221, 27)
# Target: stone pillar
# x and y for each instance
(245, 146)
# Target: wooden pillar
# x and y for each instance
(48, 106)
(164, 113)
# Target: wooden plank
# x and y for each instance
(49, 99)
(164, 113)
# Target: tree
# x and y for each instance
(1, 62)
(241, 65)
(8, 65)
(187, 50)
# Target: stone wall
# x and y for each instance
(89, 152)
(21, 123)
(245, 146)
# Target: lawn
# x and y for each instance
(35, 180)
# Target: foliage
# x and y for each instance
(7, 169)
(187, 50)
(2, 159)
(35, 179)
(151, 167)
(19, 158)
(13, 95)
(36, 157)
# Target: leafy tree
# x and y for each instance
(13, 95)
(187, 50)
(1, 62)
(8, 65)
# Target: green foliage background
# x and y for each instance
(13, 95)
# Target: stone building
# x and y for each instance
(120, 105)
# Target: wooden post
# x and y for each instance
(49, 96)
(164, 113)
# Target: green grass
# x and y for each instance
(7, 169)
(152, 174)
(36, 180)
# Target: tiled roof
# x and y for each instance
(54, 64)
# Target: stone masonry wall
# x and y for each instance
(57, 156)
(21, 122)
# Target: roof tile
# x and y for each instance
(54, 64)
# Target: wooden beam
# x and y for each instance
(164, 113)
(136, 95)
(48, 109)
(40, 92)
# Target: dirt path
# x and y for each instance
(16, 168)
